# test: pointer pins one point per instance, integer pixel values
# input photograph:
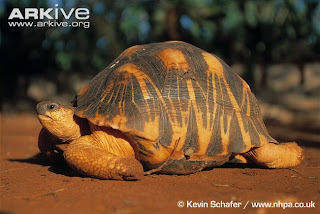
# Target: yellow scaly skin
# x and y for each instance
(104, 154)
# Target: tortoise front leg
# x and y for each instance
(49, 145)
(272, 155)
(91, 160)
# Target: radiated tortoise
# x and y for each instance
(167, 107)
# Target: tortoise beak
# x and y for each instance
(41, 108)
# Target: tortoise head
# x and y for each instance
(59, 120)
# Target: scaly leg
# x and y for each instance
(272, 155)
(49, 145)
(91, 160)
(238, 158)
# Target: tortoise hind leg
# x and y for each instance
(91, 160)
(276, 155)
(239, 159)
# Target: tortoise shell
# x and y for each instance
(174, 99)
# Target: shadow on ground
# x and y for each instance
(40, 159)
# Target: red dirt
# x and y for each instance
(29, 184)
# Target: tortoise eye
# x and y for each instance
(52, 106)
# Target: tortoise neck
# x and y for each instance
(66, 129)
(83, 125)
(113, 141)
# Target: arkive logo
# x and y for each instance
(49, 17)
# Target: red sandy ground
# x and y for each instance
(30, 185)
